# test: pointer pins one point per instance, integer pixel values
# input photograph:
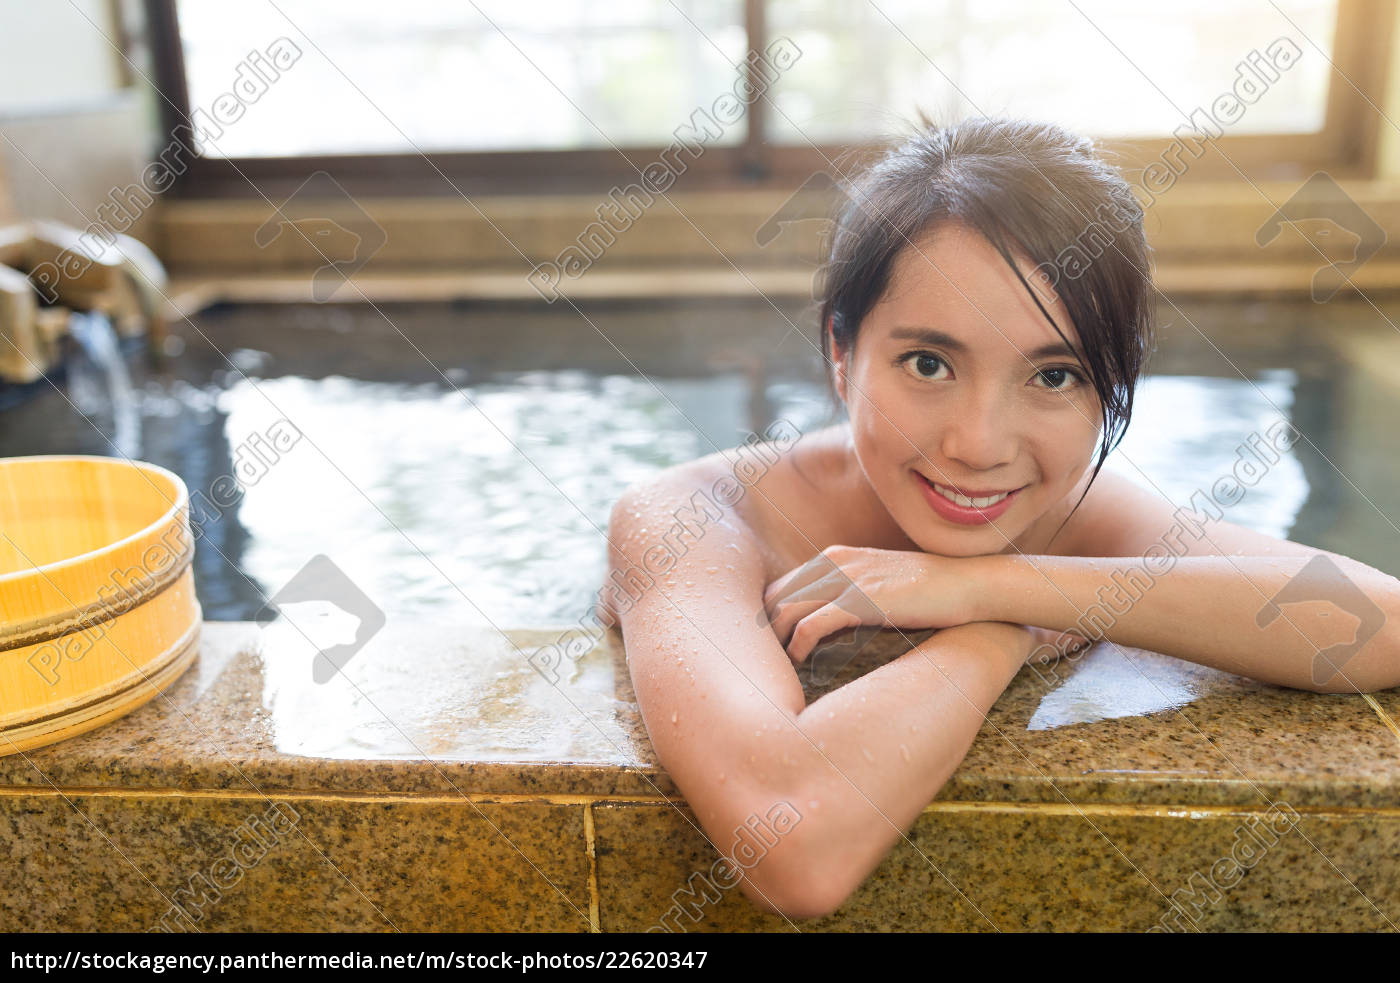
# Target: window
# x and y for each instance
(417, 75)
(557, 95)
(1101, 67)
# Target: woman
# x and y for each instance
(980, 359)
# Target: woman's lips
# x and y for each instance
(961, 514)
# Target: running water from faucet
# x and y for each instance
(98, 341)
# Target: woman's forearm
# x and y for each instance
(1311, 622)
(886, 742)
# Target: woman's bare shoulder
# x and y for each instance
(675, 508)
(742, 487)
(687, 572)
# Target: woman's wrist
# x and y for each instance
(988, 583)
(999, 643)
(1014, 643)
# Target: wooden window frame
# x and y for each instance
(1346, 146)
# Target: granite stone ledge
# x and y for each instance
(456, 711)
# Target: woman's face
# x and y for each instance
(947, 382)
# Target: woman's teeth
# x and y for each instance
(966, 502)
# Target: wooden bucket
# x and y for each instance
(97, 606)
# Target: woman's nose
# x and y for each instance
(980, 434)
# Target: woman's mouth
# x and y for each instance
(966, 509)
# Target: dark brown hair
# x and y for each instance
(1027, 186)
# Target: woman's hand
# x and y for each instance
(848, 586)
(1047, 644)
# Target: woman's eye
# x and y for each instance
(1058, 377)
(923, 365)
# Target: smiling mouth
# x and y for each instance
(977, 499)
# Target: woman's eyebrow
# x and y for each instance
(932, 336)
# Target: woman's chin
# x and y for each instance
(988, 539)
(963, 546)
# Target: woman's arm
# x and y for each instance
(1187, 583)
(1317, 622)
(727, 715)
(877, 750)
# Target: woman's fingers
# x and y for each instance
(1071, 641)
(785, 612)
(788, 605)
(825, 621)
(823, 589)
(819, 568)
(1052, 644)
(789, 613)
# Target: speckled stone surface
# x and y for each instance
(443, 782)
(997, 868)
(1234, 742)
(126, 862)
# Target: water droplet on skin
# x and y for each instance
(830, 714)
(757, 733)
(868, 756)
(675, 716)
(721, 776)
(712, 569)
(904, 751)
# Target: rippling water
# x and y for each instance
(494, 500)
